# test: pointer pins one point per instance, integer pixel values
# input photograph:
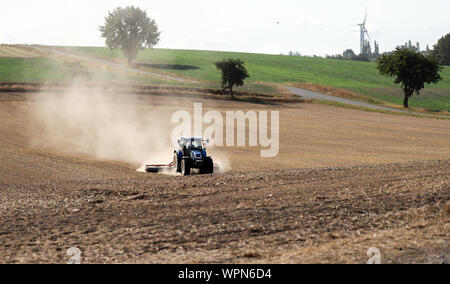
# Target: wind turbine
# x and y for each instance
(363, 33)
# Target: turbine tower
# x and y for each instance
(363, 33)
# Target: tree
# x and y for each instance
(348, 54)
(233, 73)
(129, 29)
(296, 53)
(412, 70)
(367, 50)
(376, 53)
(442, 50)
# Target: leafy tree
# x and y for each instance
(376, 52)
(129, 29)
(367, 50)
(442, 50)
(348, 54)
(233, 73)
(412, 70)
(411, 46)
(296, 53)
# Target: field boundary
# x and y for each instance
(261, 98)
(109, 63)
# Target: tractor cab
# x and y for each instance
(192, 143)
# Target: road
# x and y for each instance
(318, 96)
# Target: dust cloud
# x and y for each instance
(221, 163)
(103, 125)
(108, 126)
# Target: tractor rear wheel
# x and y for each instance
(209, 166)
(185, 167)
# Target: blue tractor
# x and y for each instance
(192, 155)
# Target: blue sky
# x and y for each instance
(311, 27)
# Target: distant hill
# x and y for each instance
(266, 71)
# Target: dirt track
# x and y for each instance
(52, 200)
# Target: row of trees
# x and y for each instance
(349, 54)
(441, 51)
(366, 55)
(416, 47)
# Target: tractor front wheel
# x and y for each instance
(177, 163)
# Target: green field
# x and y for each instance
(361, 77)
(30, 70)
(48, 70)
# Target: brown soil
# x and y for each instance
(283, 96)
(19, 51)
(344, 181)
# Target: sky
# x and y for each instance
(314, 27)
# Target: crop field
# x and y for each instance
(209, 135)
(51, 70)
(360, 77)
(344, 180)
(219, 135)
(23, 64)
(30, 70)
(18, 51)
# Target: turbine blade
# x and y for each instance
(365, 18)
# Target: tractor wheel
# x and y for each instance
(209, 166)
(185, 167)
(177, 163)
